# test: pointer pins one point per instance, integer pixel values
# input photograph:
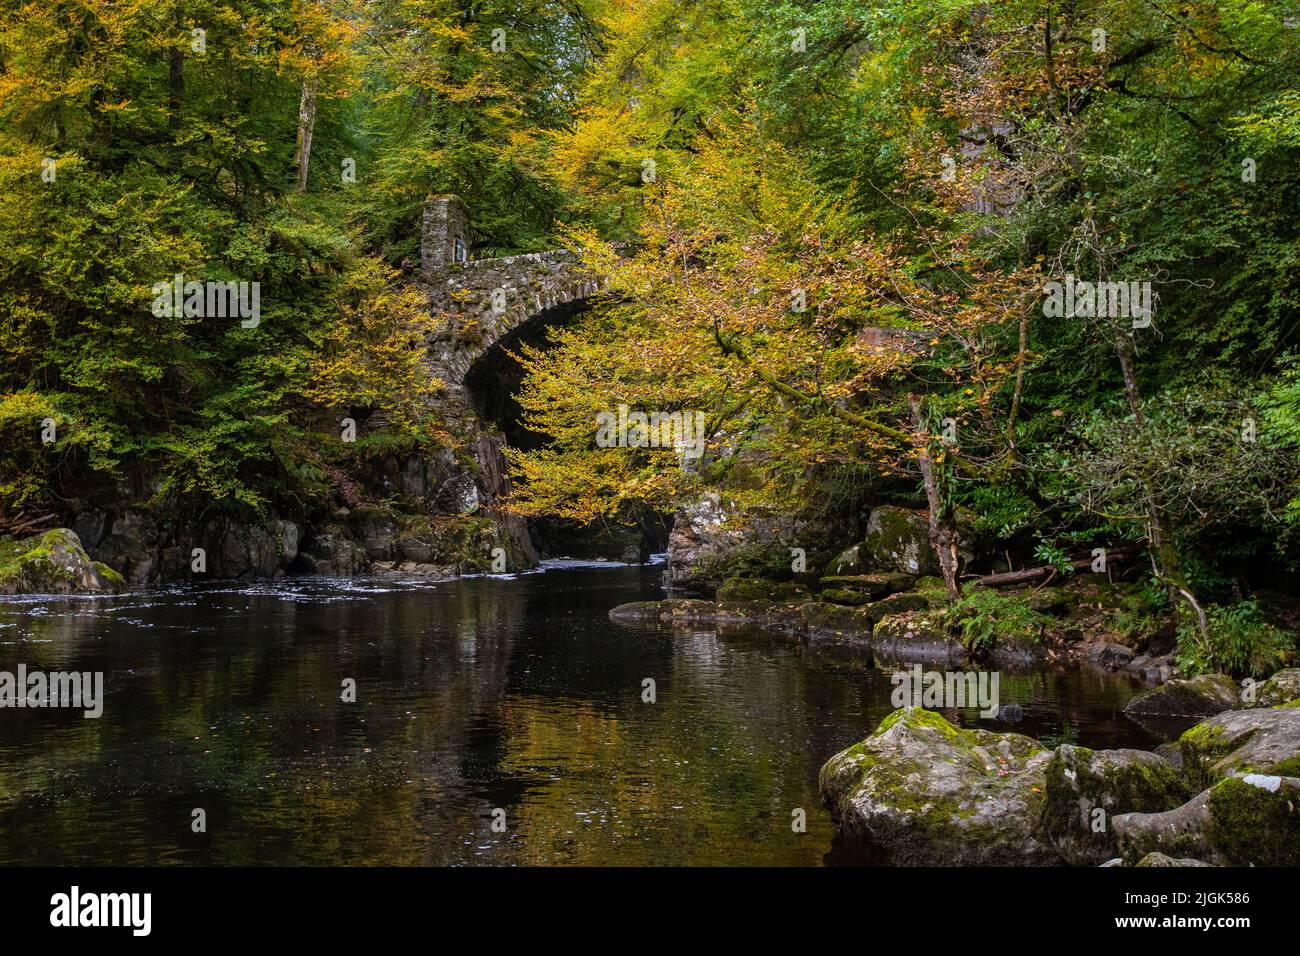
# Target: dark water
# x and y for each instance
(473, 695)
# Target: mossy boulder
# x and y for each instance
(821, 618)
(1281, 688)
(925, 793)
(1160, 859)
(1049, 601)
(876, 584)
(849, 561)
(898, 539)
(687, 610)
(1086, 788)
(761, 589)
(914, 635)
(1196, 697)
(53, 562)
(1263, 741)
(1251, 820)
(896, 604)
(842, 596)
(636, 611)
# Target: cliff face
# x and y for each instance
(434, 513)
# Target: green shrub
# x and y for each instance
(982, 615)
(1240, 643)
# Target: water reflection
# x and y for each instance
(478, 694)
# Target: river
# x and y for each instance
(506, 701)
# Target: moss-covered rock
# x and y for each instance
(1160, 859)
(923, 792)
(1252, 820)
(914, 635)
(1263, 741)
(687, 610)
(1196, 697)
(53, 562)
(1049, 601)
(848, 561)
(842, 596)
(761, 589)
(898, 539)
(875, 584)
(1080, 782)
(821, 618)
(896, 604)
(636, 611)
(1282, 687)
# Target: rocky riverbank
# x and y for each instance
(920, 791)
(905, 617)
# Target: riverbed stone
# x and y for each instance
(1200, 696)
(925, 793)
(1110, 654)
(1250, 820)
(1263, 741)
(898, 539)
(1086, 788)
(636, 611)
(53, 562)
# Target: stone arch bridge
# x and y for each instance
(490, 303)
(493, 305)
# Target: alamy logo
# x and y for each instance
(103, 909)
(914, 688)
(76, 690)
(208, 300)
(1117, 300)
(683, 431)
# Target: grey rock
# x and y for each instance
(1195, 697)
(1282, 687)
(1240, 821)
(1160, 859)
(1086, 788)
(898, 539)
(1262, 740)
(924, 792)
(459, 495)
(54, 562)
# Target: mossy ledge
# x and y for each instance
(53, 562)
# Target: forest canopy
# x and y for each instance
(832, 228)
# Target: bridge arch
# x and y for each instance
(489, 303)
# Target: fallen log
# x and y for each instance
(1026, 575)
(20, 524)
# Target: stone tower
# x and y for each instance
(444, 233)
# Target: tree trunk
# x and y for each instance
(1166, 554)
(306, 124)
(1168, 567)
(943, 530)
